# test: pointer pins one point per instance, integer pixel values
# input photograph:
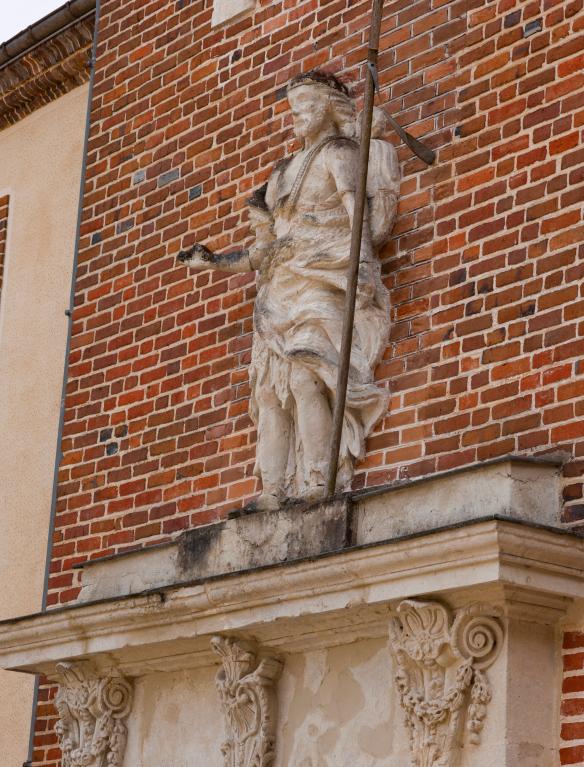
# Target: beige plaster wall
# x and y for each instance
(40, 168)
(338, 707)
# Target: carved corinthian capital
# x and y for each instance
(248, 696)
(441, 660)
(93, 710)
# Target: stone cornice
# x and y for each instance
(49, 69)
(310, 603)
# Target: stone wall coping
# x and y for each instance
(550, 461)
(246, 541)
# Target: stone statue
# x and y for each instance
(302, 220)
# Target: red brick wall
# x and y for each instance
(3, 236)
(508, 296)
(484, 269)
(572, 728)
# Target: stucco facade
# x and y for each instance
(43, 107)
(40, 169)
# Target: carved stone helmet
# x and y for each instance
(341, 103)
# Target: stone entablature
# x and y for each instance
(49, 66)
(524, 573)
(442, 628)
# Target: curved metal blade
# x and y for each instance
(422, 151)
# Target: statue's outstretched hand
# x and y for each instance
(197, 257)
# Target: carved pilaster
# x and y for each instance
(441, 660)
(248, 697)
(93, 710)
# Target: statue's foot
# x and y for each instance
(267, 502)
(312, 494)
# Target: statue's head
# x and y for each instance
(319, 99)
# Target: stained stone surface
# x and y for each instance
(335, 710)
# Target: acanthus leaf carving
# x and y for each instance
(440, 676)
(247, 688)
(93, 710)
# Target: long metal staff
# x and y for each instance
(356, 236)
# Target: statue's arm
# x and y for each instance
(200, 257)
(243, 260)
(380, 208)
(383, 215)
(343, 165)
(348, 199)
(342, 161)
(383, 186)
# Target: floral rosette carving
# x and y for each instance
(440, 676)
(92, 712)
(248, 698)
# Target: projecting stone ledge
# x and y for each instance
(511, 488)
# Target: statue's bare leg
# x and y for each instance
(314, 419)
(273, 444)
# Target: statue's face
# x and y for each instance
(310, 110)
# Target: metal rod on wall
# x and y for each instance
(355, 255)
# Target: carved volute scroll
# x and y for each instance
(248, 697)
(93, 710)
(440, 676)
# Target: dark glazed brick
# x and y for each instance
(532, 27)
(195, 192)
(512, 18)
(573, 513)
(105, 434)
(123, 226)
(169, 177)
